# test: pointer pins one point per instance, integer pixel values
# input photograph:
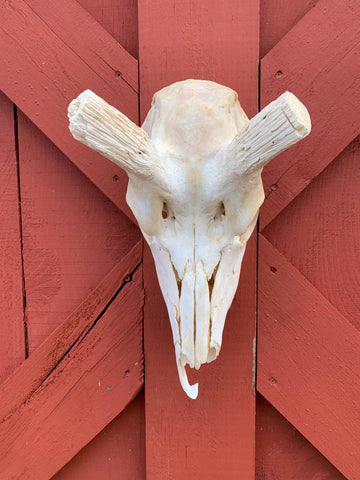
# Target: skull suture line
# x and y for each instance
(195, 189)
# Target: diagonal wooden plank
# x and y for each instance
(77, 381)
(319, 61)
(308, 361)
(46, 63)
(214, 435)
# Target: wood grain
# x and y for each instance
(212, 436)
(47, 63)
(319, 61)
(77, 381)
(282, 453)
(12, 334)
(308, 361)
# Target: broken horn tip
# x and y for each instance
(80, 100)
(297, 114)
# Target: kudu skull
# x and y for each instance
(195, 189)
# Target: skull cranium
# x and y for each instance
(195, 189)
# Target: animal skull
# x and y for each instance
(195, 188)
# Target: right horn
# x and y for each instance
(275, 128)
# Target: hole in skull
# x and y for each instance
(220, 212)
(212, 280)
(164, 212)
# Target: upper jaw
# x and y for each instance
(197, 305)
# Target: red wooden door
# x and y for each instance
(76, 293)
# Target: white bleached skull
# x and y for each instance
(195, 189)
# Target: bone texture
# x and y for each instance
(195, 188)
(104, 129)
(278, 126)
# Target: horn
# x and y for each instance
(274, 129)
(101, 127)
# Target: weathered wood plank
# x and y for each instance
(212, 436)
(282, 453)
(12, 335)
(319, 61)
(308, 361)
(77, 381)
(47, 63)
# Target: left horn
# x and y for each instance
(101, 127)
(279, 125)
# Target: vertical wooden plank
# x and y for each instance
(12, 338)
(212, 436)
(204, 40)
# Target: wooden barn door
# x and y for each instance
(80, 304)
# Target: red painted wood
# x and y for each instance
(103, 236)
(308, 361)
(81, 377)
(318, 60)
(96, 460)
(119, 18)
(205, 40)
(46, 63)
(319, 233)
(73, 235)
(12, 335)
(277, 17)
(212, 436)
(282, 453)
